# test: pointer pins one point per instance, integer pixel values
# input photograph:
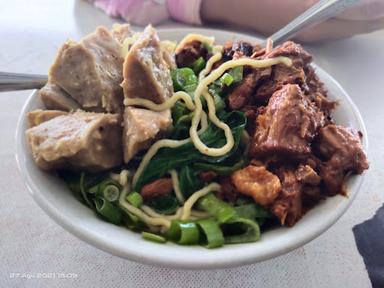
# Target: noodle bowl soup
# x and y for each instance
(212, 178)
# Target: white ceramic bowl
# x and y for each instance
(56, 200)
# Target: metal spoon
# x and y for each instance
(322, 10)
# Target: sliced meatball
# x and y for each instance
(90, 71)
(55, 98)
(39, 116)
(81, 141)
(257, 182)
(141, 128)
(146, 73)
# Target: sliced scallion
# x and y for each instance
(135, 199)
(184, 232)
(249, 231)
(153, 237)
(213, 234)
(237, 74)
(226, 79)
(221, 210)
(198, 65)
(108, 211)
(111, 193)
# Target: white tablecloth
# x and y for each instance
(36, 252)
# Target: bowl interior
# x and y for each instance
(57, 201)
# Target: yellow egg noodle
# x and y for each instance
(196, 196)
(176, 186)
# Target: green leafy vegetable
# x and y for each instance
(221, 168)
(181, 127)
(167, 159)
(164, 204)
(189, 181)
(179, 110)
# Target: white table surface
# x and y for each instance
(31, 243)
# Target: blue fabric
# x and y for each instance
(369, 237)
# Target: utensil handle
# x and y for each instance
(17, 81)
(321, 11)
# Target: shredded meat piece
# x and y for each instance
(228, 191)
(237, 49)
(288, 205)
(257, 182)
(190, 53)
(282, 74)
(341, 147)
(287, 126)
(306, 174)
(159, 187)
(242, 93)
(317, 93)
(207, 176)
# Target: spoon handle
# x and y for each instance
(321, 11)
(17, 81)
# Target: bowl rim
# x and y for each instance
(96, 240)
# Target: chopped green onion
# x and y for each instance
(135, 199)
(184, 232)
(153, 237)
(108, 211)
(208, 47)
(198, 65)
(226, 79)
(249, 231)
(221, 210)
(83, 191)
(212, 232)
(190, 88)
(111, 193)
(252, 211)
(94, 190)
(184, 79)
(237, 74)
